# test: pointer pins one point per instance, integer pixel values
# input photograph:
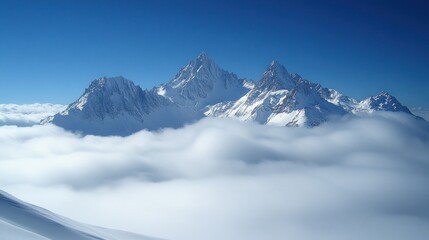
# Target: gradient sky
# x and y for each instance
(50, 50)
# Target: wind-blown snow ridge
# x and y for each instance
(115, 106)
(20, 220)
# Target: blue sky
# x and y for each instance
(51, 50)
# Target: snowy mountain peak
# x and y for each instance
(112, 94)
(109, 106)
(201, 67)
(384, 102)
(115, 83)
(203, 80)
(275, 63)
(276, 77)
(104, 80)
(384, 94)
(276, 67)
(203, 57)
(115, 106)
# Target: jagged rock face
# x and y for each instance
(111, 106)
(203, 82)
(276, 77)
(110, 97)
(196, 79)
(115, 106)
(280, 98)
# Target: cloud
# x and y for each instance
(421, 112)
(363, 177)
(27, 114)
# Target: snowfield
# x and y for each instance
(23, 221)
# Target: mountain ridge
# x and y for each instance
(116, 106)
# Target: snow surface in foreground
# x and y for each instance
(23, 221)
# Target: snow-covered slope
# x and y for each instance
(23, 221)
(280, 98)
(382, 102)
(202, 82)
(115, 106)
(284, 99)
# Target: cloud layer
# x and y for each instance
(421, 112)
(27, 114)
(357, 178)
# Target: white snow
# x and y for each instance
(115, 106)
(280, 119)
(161, 91)
(23, 221)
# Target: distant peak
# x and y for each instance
(276, 76)
(203, 56)
(385, 101)
(204, 61)
(111, 81)
(384, 93)
(200, 69)
(275, 63)
(276, 68)
(111, 78)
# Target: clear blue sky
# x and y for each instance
(50, 50)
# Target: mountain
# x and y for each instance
(383, 102)
(280, 98)
(115, 106)
(20, 220)
(202, 82)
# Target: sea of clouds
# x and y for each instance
(27, 114)
(422, 112)
(363, 177)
